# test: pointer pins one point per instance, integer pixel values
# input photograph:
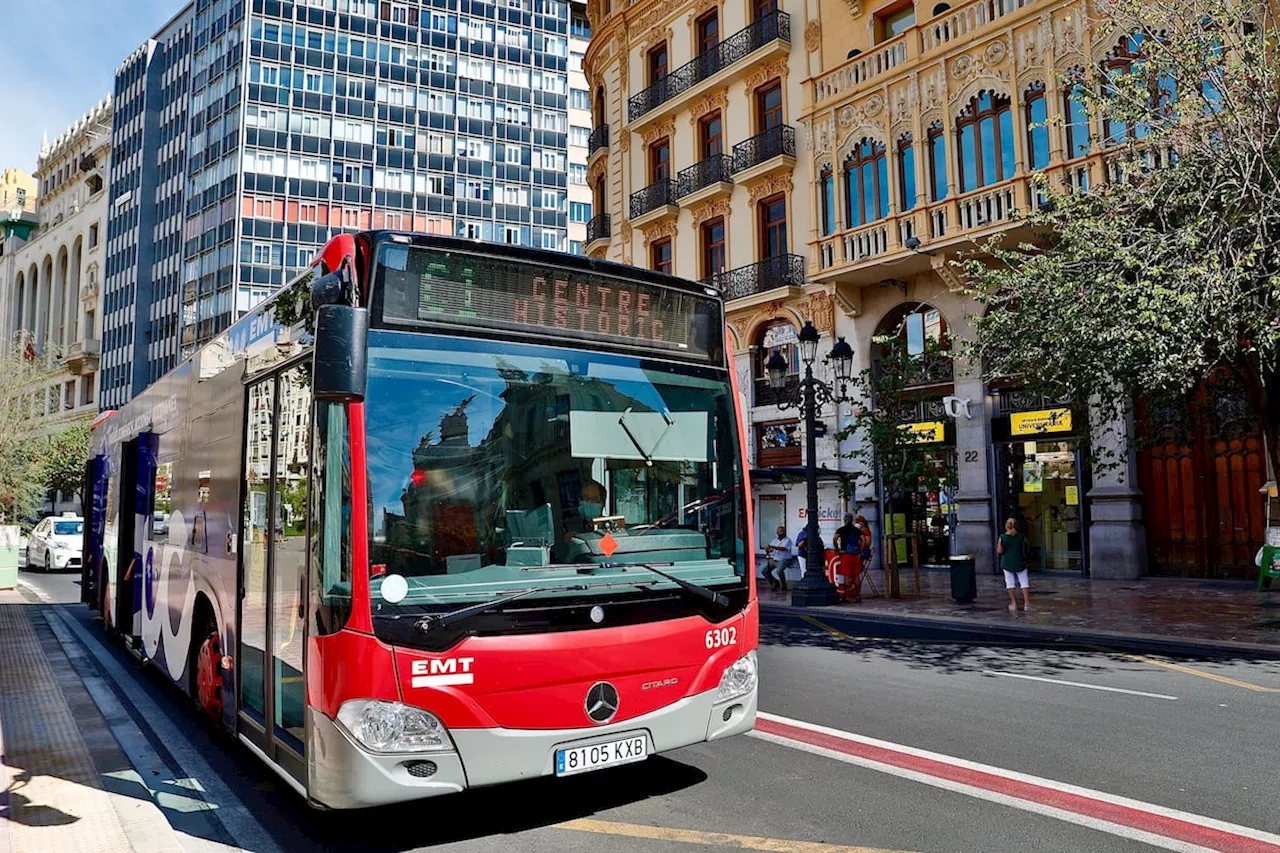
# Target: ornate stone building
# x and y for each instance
(900, 136)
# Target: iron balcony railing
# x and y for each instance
(767, 395)
(716, 169)
(761, 277)
(775, 142)
(772, 27)
(652, 197)
(598, 139)
(598, 227)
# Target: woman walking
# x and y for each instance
(1012, 549)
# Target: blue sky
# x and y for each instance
(60, 59)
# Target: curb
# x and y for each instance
(964, 629)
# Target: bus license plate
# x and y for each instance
(580, 759)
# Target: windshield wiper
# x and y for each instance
(622, 422)
(702, 592)
(435, 621)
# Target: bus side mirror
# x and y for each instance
(341, 347)
(328, 289)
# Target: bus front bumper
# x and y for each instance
(344, 775)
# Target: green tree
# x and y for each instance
(65, 452)
(1169, 273)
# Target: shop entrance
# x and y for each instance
(1042, 490)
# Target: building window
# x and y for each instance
(761, 9)
(866, 184)
(657, 63)
(1077, 121)
(708, 30)
(711, 136)
(906, 172)
(984, 132)
(1036, 116)
(1127, 57)
(937, 162)
(781, 337)
(660, 161)
(713, 247)
(769, 106)
(773, 226)
(895, 23)
(660, 253)
(579, 211)
(93, 235)
(827, 184)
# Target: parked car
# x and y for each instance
(56, 544)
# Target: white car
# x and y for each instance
(56, 544)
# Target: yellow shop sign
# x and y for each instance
(1036, 423)
(925, 432)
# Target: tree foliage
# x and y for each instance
(1169, 273)
(36, 454)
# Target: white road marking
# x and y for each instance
(1080, 684)
(1114, 799)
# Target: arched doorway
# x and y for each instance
(912, 374)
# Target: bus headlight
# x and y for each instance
(739, 679)
(392, 727)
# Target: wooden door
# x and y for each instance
(1204, 514)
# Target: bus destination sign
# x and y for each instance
(499, 293)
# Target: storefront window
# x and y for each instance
(778, 443)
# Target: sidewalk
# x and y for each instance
(1179, 616)
(62, 773)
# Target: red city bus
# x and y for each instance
(439, 515)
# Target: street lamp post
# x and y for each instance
(814, 588)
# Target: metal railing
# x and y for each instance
(598, 139)
(714, 170)
(598, 228)
(767, 395)
(760, 277)
(763, 147)
(652, 197)
(775, 26)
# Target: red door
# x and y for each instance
(1204, 514)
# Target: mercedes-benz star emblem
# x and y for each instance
(602, 702)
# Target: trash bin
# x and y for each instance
(964, 578)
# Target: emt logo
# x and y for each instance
(443, 673)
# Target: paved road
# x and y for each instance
(55, 587)
(1187, 735)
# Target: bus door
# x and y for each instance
(271, 695)
(127, 607)
(94, 512)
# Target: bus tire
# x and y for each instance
(206, 667)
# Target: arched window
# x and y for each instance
(937, 162)
(906, 161)
(919, 331)
(777, 336)
(941, 7)
(984, 135)
(1076, 113)
(827, 192)
(599, 105)
(866, 184)
(1127, 58)
(1036, 116)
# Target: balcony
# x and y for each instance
(82, 356)
(653, 203)
(772, 29)
(711, 178)
(598, 141)
(767, 395)
(598, 231)
(931, 37)
(769, 274)
(765, 154)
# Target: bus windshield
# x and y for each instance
(495, 466)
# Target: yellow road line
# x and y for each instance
(1186, 670)
(835, 632)
(712, 839)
